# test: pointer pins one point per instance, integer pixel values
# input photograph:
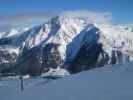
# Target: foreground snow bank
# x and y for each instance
(106, 83)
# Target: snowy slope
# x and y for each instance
(106, 83)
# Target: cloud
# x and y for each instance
(31, 19)
(96, 17)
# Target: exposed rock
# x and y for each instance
(39, 59)
(7, 59)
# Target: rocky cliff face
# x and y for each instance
(8, 57)
(38, 60)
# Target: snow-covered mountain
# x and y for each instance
(127, 27)
(8, 34)
(81, 44)
(12, 32)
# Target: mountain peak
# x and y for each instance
(78, 37)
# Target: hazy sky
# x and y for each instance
(35, 11)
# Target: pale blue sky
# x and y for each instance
(122, 10)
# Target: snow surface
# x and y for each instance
(111, 82)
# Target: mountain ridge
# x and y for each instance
(74, 35)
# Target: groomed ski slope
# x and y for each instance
(111, 82)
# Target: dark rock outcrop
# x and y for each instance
(7, 60)
(38, 60)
